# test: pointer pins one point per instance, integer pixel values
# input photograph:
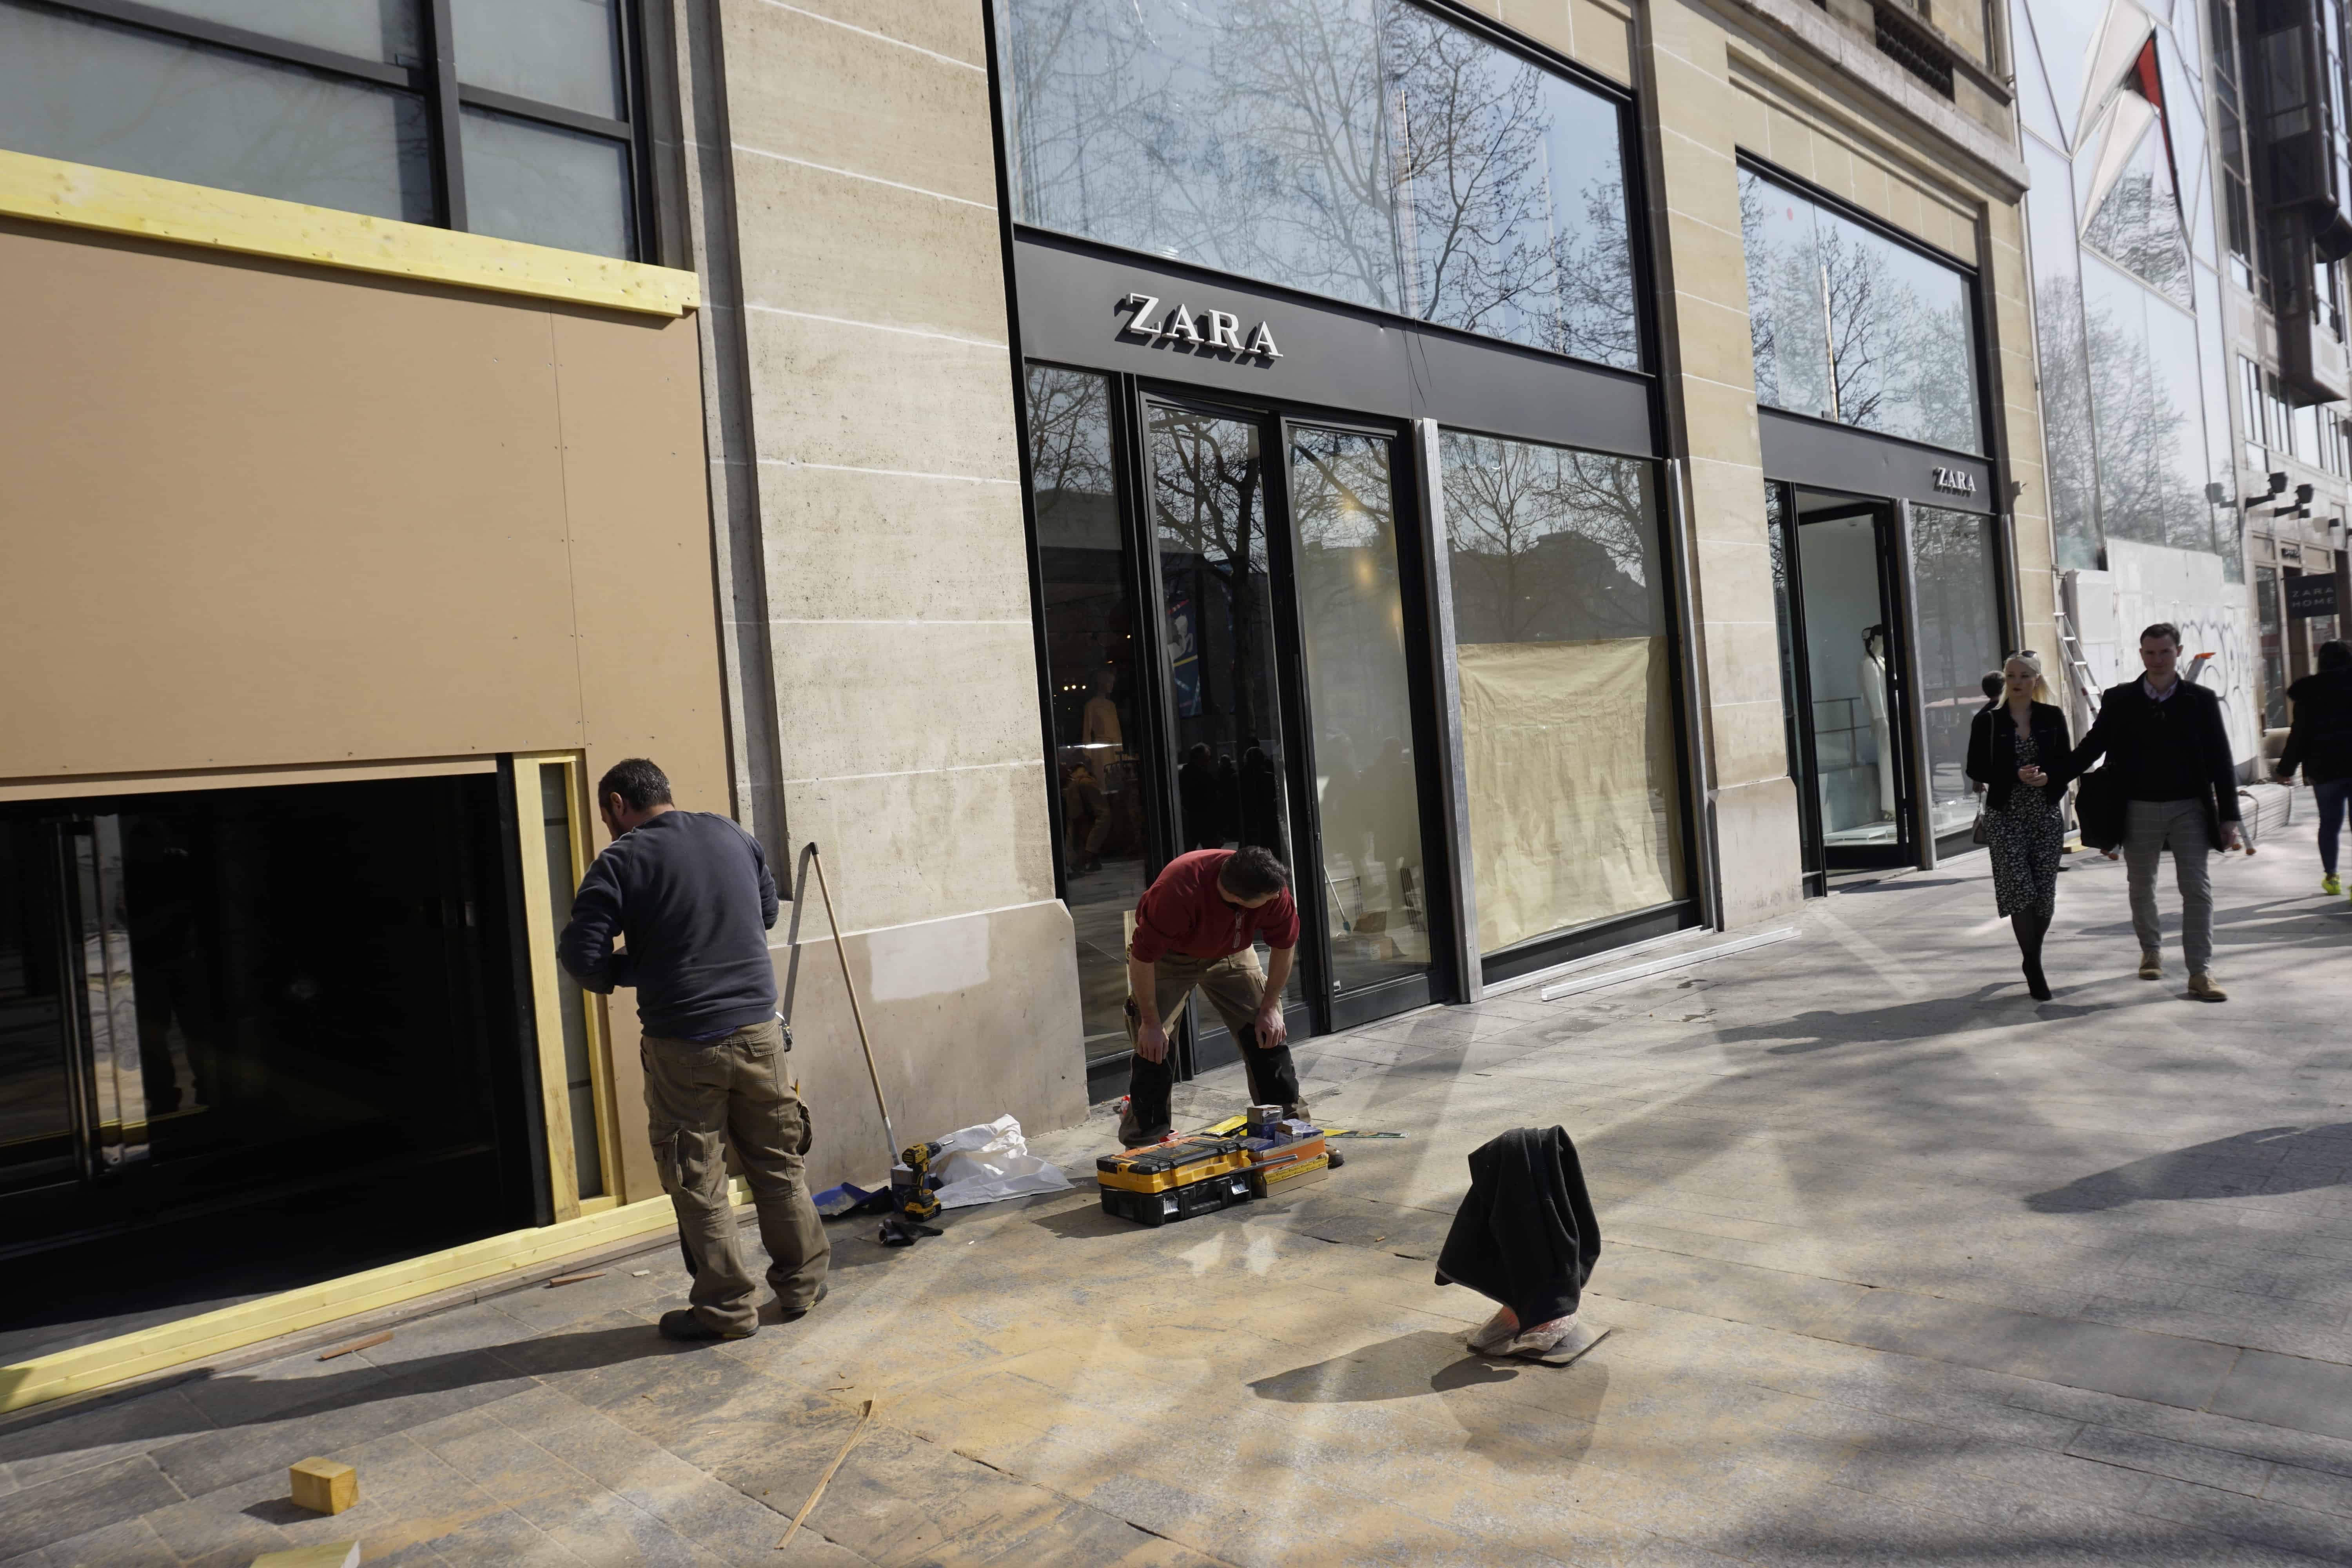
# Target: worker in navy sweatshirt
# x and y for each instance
(690, 894)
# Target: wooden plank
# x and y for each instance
(194, 1339)
(49, 190)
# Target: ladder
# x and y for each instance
(2070, 647)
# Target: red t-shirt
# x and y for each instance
(1182, 912)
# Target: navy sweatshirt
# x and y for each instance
(691, 893)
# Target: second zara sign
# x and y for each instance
(1208, 332)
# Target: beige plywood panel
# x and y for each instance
(258, 516)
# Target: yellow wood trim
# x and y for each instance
(167, 1345)
(49, 190)
(598, 1205)
(600, 1048)
(546, 987)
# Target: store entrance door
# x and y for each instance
(1292, 699)
(1843, 674)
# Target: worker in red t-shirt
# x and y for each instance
(1194, 927)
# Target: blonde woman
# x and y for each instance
(2018, 750)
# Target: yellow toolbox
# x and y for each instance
(1164, 1182)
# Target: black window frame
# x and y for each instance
(434, 80)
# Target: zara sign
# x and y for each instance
(1208, 331)
(1954, 481)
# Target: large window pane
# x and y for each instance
(1351, 613)
(566, 52)
(548, 186)
(92, 94)
(1367, 150)
(1848, 325)
(2065, 375)
(1959, 643)
(1099, 755)
(371, 29)
(1568, 713)
(2146, 403)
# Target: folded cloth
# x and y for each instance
(1526, 1235)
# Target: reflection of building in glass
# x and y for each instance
(2187, 212)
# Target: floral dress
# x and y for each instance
(2026, 840)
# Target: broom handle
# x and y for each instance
(841, 951)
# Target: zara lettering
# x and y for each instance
(1956, 481)
(1211, 331)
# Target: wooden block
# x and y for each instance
(322, 1486)
(329, 1554)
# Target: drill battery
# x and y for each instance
(1161, 1183)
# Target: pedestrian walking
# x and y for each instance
(2180, 794)
(2024, 830)
(690, 894)
(2320, 744)
(1195, 927)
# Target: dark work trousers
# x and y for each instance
(1234, 985)
(701, 1099)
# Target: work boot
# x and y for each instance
(2201, 986)
(683, 1325)
(2151, 964)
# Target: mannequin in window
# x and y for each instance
(1872, 677)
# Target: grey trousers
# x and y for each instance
(703, 1098)
(2150, 827)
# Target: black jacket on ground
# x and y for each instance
(1525, 1237)
(1992, 750)
(692, 894)
(2320, 741)
(2124, 709)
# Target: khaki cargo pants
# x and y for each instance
(1234, 985)
(703, 1098)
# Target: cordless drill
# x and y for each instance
(917, 1201)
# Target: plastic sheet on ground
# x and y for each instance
(989, 1162)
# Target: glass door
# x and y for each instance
(1213, 542)
(1374, 883)
(38, 1088)
(1844, 614)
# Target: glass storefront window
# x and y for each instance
(1366, 150)
(1956, 593)
(1091, 654)
(2145, 405)
(2273, 640)
(1850, 325)
(288, 105)
(1566, 671)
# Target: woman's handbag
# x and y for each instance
(2099, 808)
(1977, 835)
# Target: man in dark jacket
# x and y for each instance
(691, 894)
(2180, 787)
(2320, 743)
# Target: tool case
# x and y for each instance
(1164, 1182)
(1155, 1167)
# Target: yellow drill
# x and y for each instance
(919, 1202)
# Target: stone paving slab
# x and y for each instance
(1902, 1268)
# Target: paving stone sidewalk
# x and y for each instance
(1902, 1268)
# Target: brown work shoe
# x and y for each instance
(2201, 986)
(2151, 964)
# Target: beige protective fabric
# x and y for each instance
(1569, 753)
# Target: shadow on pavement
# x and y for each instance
(2269, 1159)
(1393, 1369)
(1929, 1018)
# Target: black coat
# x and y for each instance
(1526, 1235)
(2115, 736)
(1992, 750)
(2320, 741)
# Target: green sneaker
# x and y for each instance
(2329, 885)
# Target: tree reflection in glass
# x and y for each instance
(1367, 150)
(1847, 324)
(2137, 226)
